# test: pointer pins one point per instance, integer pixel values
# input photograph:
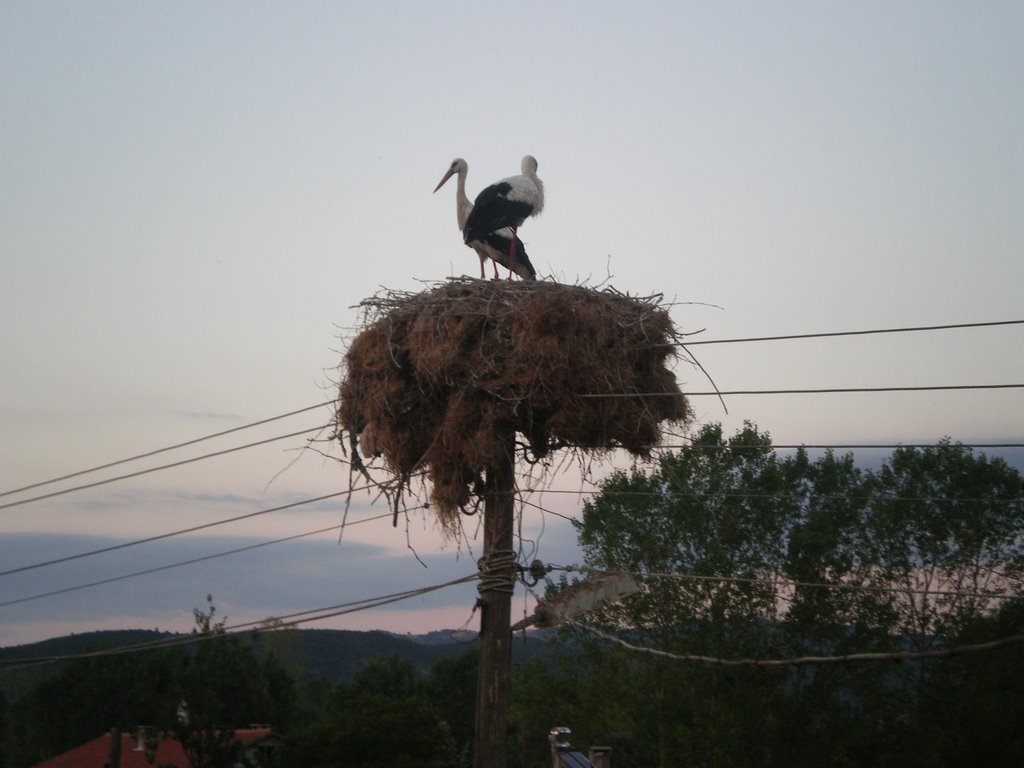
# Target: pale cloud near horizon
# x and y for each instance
(247, 586)
(254, 578)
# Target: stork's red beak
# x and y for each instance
(447, 176)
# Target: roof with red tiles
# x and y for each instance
(96, 753)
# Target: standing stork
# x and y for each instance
(495, 246)
(507, 203)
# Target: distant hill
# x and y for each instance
(332, 654)
(74, 644)
(336, 654)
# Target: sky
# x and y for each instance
(195, 197)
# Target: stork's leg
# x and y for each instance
(512, 254)
(495, 265)
(482, 259)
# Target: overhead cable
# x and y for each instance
(141, 472)
(269, 624)
(335, 400)
(157, 451)
(834, 446)
(192, 561)
(822, 391)
(934, 653)
(843, 587)
(677, 493)
(193, 529)
(855, 333)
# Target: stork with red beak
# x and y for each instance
(496, 246)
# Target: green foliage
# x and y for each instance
(974, 705)
(744, 553)
(387, 716)
(450, 688)
(391, 676)
(3, 729)
(222, 687)
(713, 530)
(717, 510)
(321, 671)
(87, 697)
(943, 517)
(375, 731)
(222, 683)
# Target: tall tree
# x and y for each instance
(221, 688)
(717, 513)
(451, 688)
(379, 719)
(744, 553)
(706, 531)
(945, 525)
(86, 697)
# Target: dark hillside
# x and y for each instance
(332, 654)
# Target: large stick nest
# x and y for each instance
(435, 378)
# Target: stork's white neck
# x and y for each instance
(463, 205)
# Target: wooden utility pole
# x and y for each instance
(497, 583)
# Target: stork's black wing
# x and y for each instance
(494, 210)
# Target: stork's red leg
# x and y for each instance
(512, 254)
(481, 266)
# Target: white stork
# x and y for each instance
(495, 246)
(507, 203)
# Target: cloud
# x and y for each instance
(250, 585)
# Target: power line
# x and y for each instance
(166, 449)
(193, 529)
(335, 400)
(162, 467)
(547, 511)
(834, 390)
(192, 561)
(856, 333)
(739, 392)
(265, 625)
(259, 545)
(846, 587)
(784, 496)
(794, 446)
(837, 446)
(306, 409)
(345, 608)
(822, 391)
(935, 653)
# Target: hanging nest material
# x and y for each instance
(435, 378)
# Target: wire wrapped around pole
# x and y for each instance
(497, 572)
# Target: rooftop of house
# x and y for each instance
(134, 752)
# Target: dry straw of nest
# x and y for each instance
(436, 378)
